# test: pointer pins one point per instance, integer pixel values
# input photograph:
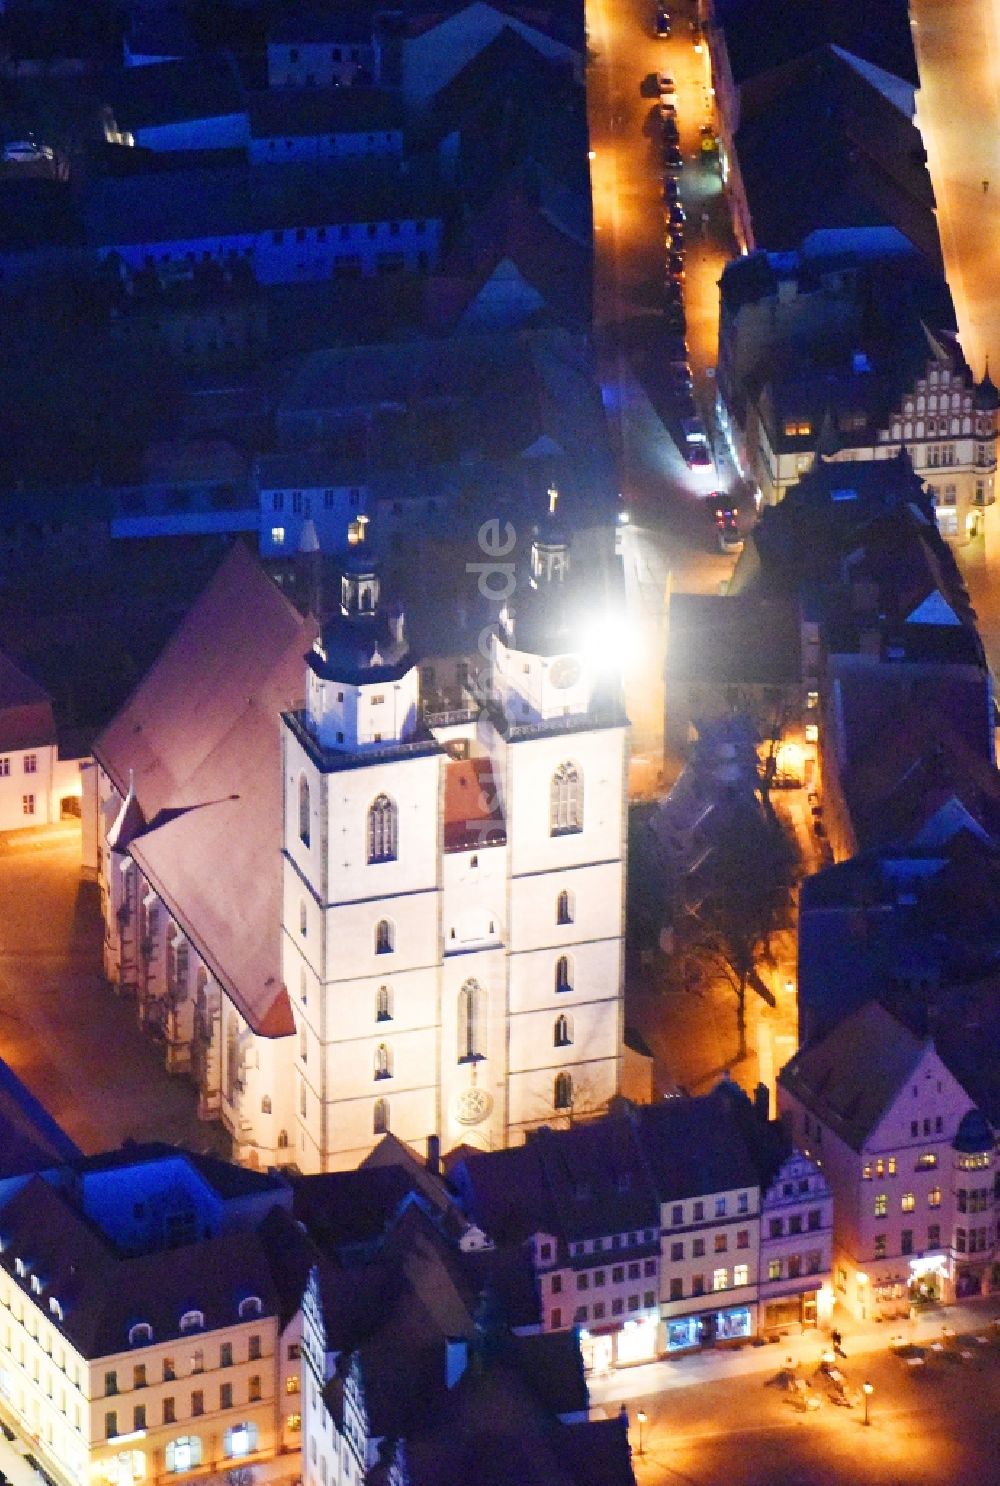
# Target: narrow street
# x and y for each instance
(669, 544)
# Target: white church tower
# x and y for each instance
(453, 895)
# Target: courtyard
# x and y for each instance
(63, 1030)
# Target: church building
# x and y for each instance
(346, 913)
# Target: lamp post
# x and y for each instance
(867, 1389)
(641, 1417)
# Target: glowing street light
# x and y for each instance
(867, 1389)
(641, 1417)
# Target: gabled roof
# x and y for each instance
(26, 719)
(201, 734)
(728, 640)
(762, 34)
(850, 1078)
(696, 1147)
(176, 92)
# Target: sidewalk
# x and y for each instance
(859, 1339)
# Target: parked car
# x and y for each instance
(671, 189)
(665, 87)
(672, 158)
(667, 110)
(661, 24)
(669, 131)
(675, 239)
(675, 265)
(709, 140)
(698, 457)
(676, 215)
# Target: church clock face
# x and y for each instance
(564, 672)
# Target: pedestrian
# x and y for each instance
(986, 187)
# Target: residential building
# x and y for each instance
(290, 124)
(796, 1245)
(582, 1204)
(37, 786)
(453, 968)
(140, 1319)
(322, 50)
(906, 1155)
(309, 487)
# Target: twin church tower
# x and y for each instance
(453, 885)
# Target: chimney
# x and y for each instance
(433, 1162)
(456, 1359)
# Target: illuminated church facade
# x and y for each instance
(446, 926)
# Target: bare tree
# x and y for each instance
(240, 1475)
(747, 878)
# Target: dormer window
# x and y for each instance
(20, 1268)
(141, 1334)
(251, 1306)
(192, 1321)
(55, 1308)
(36, 1285)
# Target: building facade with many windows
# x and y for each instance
(908, 1159)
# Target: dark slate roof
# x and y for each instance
(26, 718)
(695, 1147)
(38, 213)
(873, 174)
(762, 34)
(30, 1139)
(346, 1210)
(851, 1076)
(225, 1178)
(193, 88)
(973, 1134)
(103, 1294)
(293, 112)
(348, 24)
(726, 641)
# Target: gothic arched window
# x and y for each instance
(383, 1004)
(382, 829)
(563, 1093)
(383, 937)
(232, 1058)
(471, 1021)
(564, 908)
(304, 815)
(383, 1061)
(566, 801)
(380, 1117)
(564, 977)
(562, 1035)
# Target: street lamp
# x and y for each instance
(641, 1417)
(867, 1389)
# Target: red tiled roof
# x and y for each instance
(473, 815)
(202, 735)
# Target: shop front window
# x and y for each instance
(730, 1324)
(684, 1332)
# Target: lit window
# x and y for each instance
(380, 1123)
(278, 536)
(720, 1279)
(934, 1197)
(251, 1306)
(908, 1202)
(184, 1454)
(926, 1161)
(192, 1321)
(240, 1439)
(741, 1274)
(811, 732)
(881, 1204)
